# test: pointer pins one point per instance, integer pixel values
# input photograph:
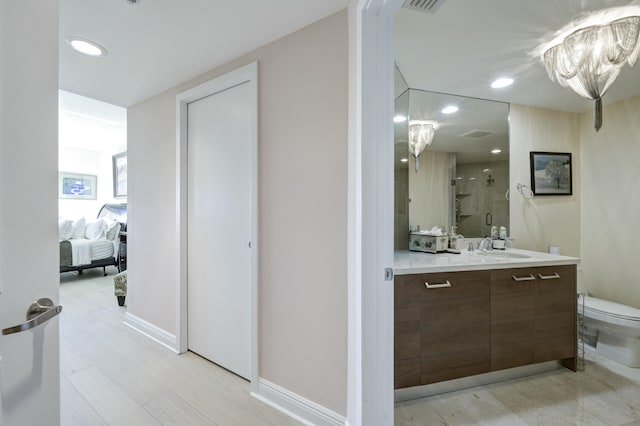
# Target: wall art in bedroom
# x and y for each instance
(120, 175)
(77, 186)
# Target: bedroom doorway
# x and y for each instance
(218, 126)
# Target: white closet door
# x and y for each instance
(219, 228)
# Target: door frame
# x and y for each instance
(247, 74)
(370, 398)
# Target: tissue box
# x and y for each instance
(428, 243)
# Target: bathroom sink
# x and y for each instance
(504, 254)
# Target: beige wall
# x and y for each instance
(303, 96)
(610, 202)
(544, 220)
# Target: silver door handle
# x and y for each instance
(38, 313)
(443, 285)
(554, 276)
(530, 277)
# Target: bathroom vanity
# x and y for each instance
(468, 314)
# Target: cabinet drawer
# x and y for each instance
(412, 290)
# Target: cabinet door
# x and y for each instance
(512, 317)
(442, 330)
(556, 313)
(533, 316)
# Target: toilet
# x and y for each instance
(613, 330)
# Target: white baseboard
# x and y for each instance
(296, 406)
(151, 331)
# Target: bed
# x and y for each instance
(96, 244)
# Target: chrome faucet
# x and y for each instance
(485, 244)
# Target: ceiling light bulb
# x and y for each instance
(399, 119)
(502, 82)
(496, 151)
(404, 160)
(450, 109)
(86, 47)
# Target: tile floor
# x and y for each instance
(605, 393)
(112, 375)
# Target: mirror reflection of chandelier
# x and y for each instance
(589, 58)
(421, 134)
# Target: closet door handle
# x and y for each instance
(38, 313)
(442, 285)
(555, 276)
(530, 277)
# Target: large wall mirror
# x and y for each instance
(463, 175)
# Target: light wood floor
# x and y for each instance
(112, 375)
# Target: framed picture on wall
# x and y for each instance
(551, 173)
(120, 175)
(77, 186)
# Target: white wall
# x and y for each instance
(544, 220)
(302, 141)
(90, 133)
(610, 202)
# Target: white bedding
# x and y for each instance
(90, 241)
(84, 251)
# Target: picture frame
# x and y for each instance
(551, 173)
(120, 175)
(76, 186)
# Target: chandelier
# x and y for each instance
(420, 136)
(589, 59)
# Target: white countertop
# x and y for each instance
(411, 262)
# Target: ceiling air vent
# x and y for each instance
(427, 6)
(475, 134)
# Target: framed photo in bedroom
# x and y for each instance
(120, 175)
(551, 173)
(76, 186)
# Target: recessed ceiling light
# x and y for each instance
(502, 82)
(450, 109)
(496, 151)
(399, 119)
(404, 160)
(86, 47)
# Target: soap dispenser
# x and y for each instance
(503, 233)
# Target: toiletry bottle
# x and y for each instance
(503, 233)
(494, 232)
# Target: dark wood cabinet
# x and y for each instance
(442, 327)
(533, 316)
(458, 324)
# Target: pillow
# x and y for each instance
(113, 227)
(78, 228)
(65, 229)
(95, 230)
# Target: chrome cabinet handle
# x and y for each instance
(527, 278)
(555, 276)
(38, 313)
(443, 285)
